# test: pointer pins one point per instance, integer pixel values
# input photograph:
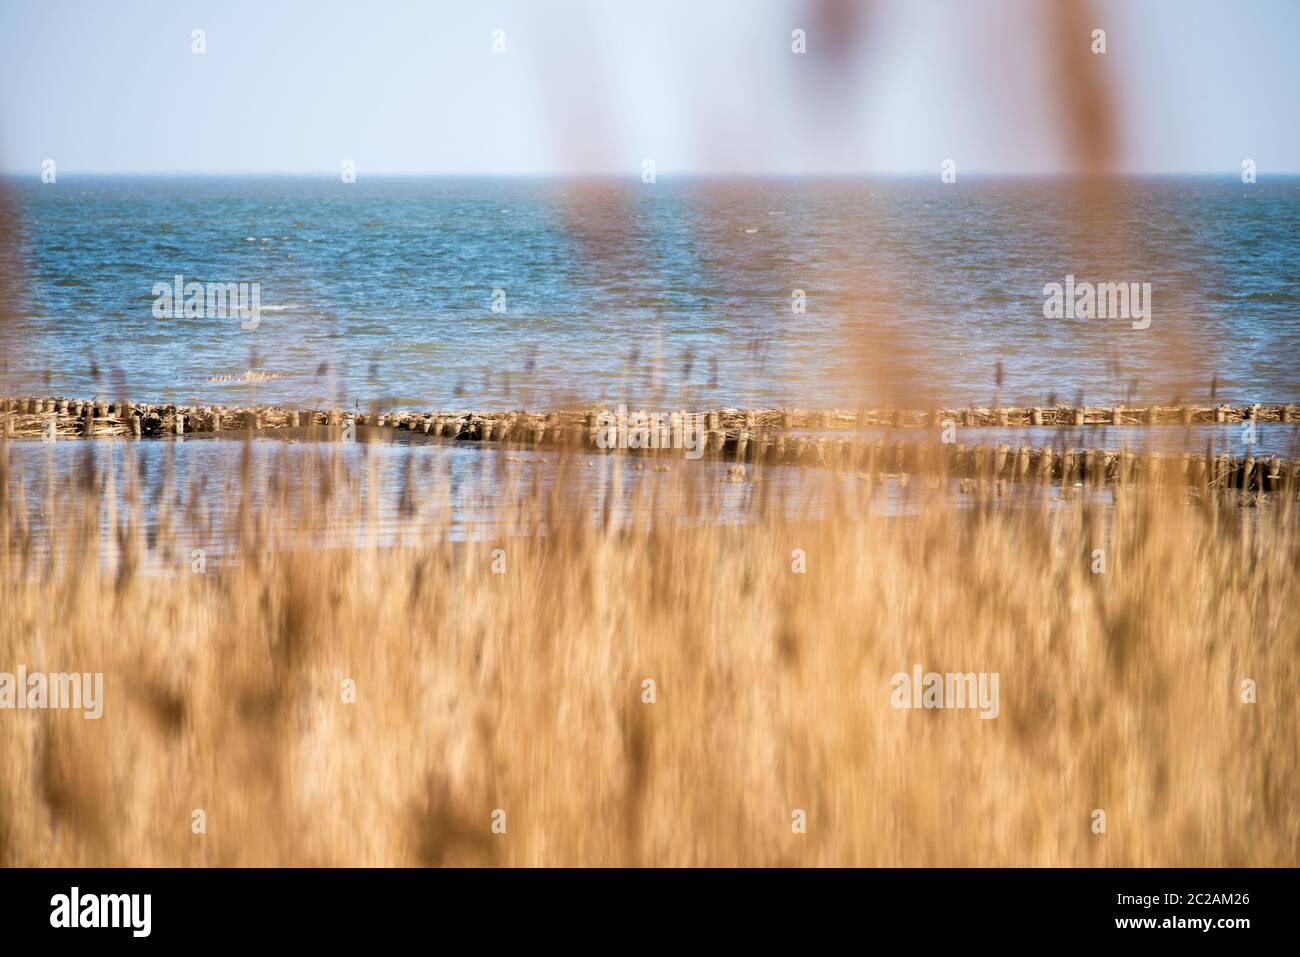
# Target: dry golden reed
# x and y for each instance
(522, 690)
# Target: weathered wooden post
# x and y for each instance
(88, 422)
(1125, 466)
(1078, 416)
(1036, 416)
(1274, 481)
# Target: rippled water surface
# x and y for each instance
(660, 294)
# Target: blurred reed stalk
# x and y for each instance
(522, 691)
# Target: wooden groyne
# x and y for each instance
(1013, 416)
(29, 417)
(780, 436)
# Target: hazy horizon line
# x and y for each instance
(635, 176)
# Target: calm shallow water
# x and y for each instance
(658, 295)
(209, 492)
(204, 493)
(1270, 438)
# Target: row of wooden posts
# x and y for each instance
(216, 418)
(742, 436)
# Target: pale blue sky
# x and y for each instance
(700, 86)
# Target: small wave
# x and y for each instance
(251, 375)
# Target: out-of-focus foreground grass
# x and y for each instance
(523, 690)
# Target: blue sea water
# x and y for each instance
(660, 295)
